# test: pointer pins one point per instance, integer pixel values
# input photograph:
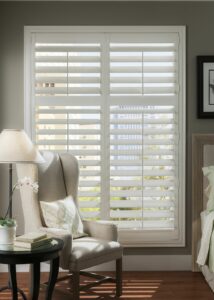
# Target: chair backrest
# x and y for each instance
(57, 177)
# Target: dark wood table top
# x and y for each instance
(13, 254)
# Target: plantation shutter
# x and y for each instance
(68, 81)
(143, 166)
(143, 138)
(114, 101)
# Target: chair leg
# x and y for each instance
(76, 285)
(119, 284)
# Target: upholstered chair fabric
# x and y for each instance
(70, 174)
(51, 178)
(58, 178)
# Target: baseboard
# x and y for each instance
(151, 263)
(134, 263)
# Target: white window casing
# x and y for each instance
(115, 98)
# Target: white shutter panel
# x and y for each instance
(67, 69)
(143, 131)
(143, 166)
(67, 76)
(143, 69)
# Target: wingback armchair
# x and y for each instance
(58, 178)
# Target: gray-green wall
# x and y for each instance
(197, 16)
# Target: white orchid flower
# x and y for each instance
(27, 181)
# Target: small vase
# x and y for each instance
(7, 235)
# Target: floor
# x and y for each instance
(137, 285)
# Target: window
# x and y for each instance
(115, 98)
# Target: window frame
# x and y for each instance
(129, 238)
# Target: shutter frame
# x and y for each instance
(181, 35)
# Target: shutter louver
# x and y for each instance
(142, 69)
(67, 69)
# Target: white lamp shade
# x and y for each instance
(16, 147)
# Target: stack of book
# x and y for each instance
(32, 240)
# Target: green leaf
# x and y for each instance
(7, 222)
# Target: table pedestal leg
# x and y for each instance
(9, 287)
(54, 269)
(35, 281)
(13, 282)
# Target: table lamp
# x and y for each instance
(16, 147)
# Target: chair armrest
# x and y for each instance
(67, 239)
(104, 230)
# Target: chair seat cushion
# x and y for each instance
(88, 252)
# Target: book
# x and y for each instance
(31, 237)
(33, 245)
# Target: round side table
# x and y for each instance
(13, 256)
